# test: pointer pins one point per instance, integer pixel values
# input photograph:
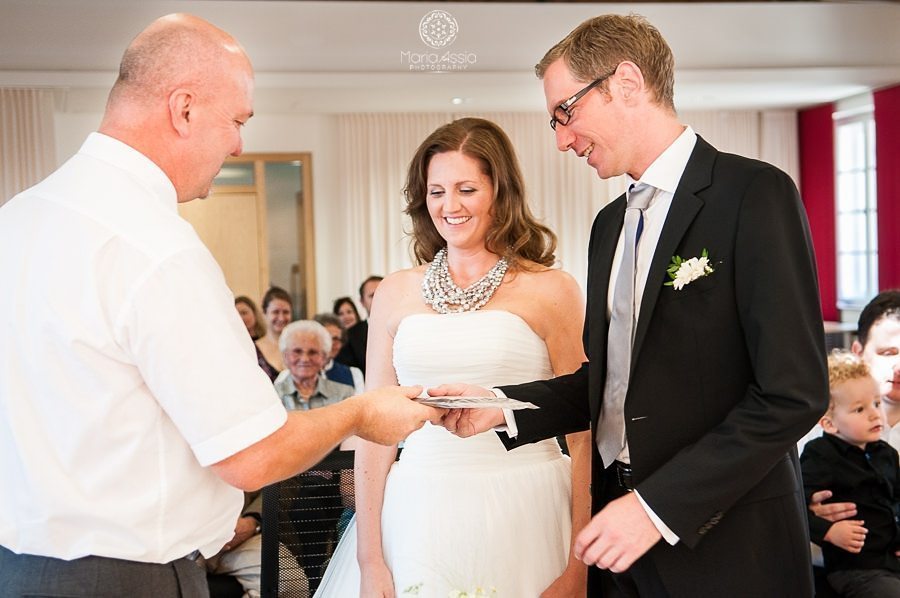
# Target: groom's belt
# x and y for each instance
(624, 476)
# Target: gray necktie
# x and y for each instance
(611, 429)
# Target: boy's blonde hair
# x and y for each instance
(843, 366)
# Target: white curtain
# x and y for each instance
(770, 136)
(779, 144)
(375, 150)
(27, 140)
(563, 191)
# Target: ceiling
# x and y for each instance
(356, 56)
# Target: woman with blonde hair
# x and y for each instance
(483, 305)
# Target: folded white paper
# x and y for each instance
(487, 402)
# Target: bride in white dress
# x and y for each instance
(462, 514)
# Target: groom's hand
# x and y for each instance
(468, 422)
(617, 536)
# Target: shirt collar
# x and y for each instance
(123, 156)
(845, 447)
(288, 388)
(665, 172)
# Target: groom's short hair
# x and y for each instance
(598, 45)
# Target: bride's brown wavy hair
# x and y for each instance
(514, 233)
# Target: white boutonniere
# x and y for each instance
(685, 271)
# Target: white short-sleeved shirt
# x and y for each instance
(124, 369)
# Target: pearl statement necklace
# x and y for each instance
(442, 294)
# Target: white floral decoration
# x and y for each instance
(478, 592)
(685, 271)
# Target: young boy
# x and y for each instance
(878, 344)
(852, 461)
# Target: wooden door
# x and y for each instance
(233, 227)
(258, 224)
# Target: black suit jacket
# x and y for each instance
(727, 374)
(353, 353)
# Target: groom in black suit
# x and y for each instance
(702, 496)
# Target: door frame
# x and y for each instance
(305, 223)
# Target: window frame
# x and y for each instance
(846, 301)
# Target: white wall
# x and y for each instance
(265, 133)
(71, 130)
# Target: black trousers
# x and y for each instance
(25, 575)
(641, 580)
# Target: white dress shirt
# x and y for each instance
(664, 174)
(124, 369)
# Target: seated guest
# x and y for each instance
(278, 309)
(334, 370)
(878, 345)
(241, 557)
(250, 316)
(852, 461)
(256, 327)
(346, 311)
(305, 346)
(354, 351)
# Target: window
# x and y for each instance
(857, 218)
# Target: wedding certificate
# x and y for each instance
(486, 402)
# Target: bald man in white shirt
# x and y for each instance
(124, 448)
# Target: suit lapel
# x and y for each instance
(606, 249)
(605, 239)
(685, 207)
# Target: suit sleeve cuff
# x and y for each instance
(511, 429)
(667, 534)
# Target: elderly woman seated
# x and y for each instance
(305, 347)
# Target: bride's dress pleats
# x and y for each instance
(463, 513)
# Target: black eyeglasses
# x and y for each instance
(562, 114)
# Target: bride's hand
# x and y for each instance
(467, 422)
(376, 581)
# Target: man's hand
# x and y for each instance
(387, 415)
(617, 536)
(847, 534)
(832, 512)
(468, 422)
(243, 531)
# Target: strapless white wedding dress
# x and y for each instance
(466, 513)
